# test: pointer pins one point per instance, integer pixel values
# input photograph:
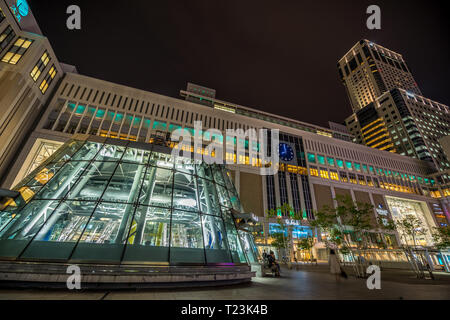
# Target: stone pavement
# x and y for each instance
(309, 282)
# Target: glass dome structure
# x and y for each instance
(123, 202)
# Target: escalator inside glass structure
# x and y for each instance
(120, 202)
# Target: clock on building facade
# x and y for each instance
(286, 152)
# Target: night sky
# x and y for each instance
(276, 56)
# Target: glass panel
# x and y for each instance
(125, 183)
(214, 236)
(186, 244)
(63, 181)
(209, 202)
(311, 158)
(5, 218)
(228, 179)
(237, 253)
(217, 171)
(249, 247)
(65, 152)
(223, 196)
(148, 238)
(161, 160)
(234, 198)
(87, 151)
(104, 236)
(136, 155)
(204, 171)
(93, 182)
(185, 192)
(158, 187)
(321, 159)
(39, 178)
(185, 165)
(59, 235)
(15, 236)
(110, 153)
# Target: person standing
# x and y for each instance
(335, 266)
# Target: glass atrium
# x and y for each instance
(124, 202)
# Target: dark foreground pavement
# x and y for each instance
(306, 283)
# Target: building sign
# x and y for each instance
(298, 231)
(20, 9)
(382, 211)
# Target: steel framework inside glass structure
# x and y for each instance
(122, 202)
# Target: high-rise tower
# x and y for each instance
(389, 111)
(368, 70)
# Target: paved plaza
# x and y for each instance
(306, 283)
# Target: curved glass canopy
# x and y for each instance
(115, 203)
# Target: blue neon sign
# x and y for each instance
(20, 10)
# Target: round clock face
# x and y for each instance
(286, 152)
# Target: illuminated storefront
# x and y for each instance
(122, 202)
(400, 208)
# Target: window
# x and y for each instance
(17, 51)
(324, 173)
(348, 164)
(48, 79)
(320, 159)
(330, 161)
(40, 66)
(311, 158)
(313, 171)
(357, 166)
(334, 175)
(2, 16)
(6, 37)
(340, 163)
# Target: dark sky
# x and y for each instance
(276, 56)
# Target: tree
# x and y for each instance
(410, 227)
(441, 237)
(282, 237)
(307, 244)
(348, 227)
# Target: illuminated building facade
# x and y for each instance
(112, 201)
(29, 71)
(316, 164)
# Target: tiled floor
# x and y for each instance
(307, 283)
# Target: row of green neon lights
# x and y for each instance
(348, 164)
(157, 125)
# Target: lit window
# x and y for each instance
(320, 159)
(6, 37)
(348, 164)
(324, 174)
(16, 52)
(40, 66)
(48, 79)
(330, 161)
(311, 157)
(340, 163)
